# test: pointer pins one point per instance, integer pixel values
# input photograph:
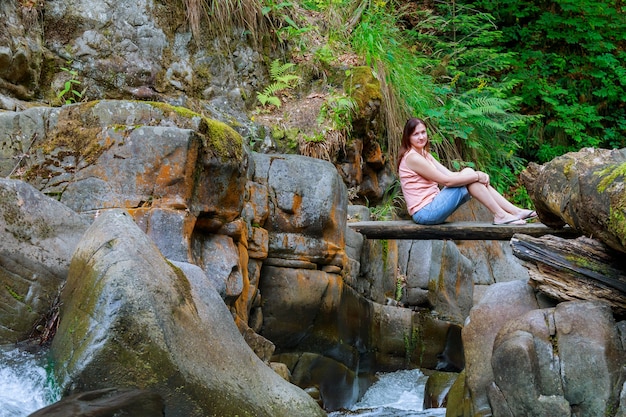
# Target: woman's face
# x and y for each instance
(419, 137)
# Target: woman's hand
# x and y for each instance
(483, 178)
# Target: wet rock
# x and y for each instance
(125, 311)
(437, 388)
(107, 402)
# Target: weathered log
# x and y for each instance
(574, 269)
(407, 229)
(585, 190)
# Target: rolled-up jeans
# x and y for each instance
(443, 205)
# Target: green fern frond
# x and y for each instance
(274, 88)
(268, 99)
(277, 69)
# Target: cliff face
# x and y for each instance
(157, 125)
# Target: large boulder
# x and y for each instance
(307, 208)
(39, 237)
(500, 303)
(131, 319)
(568, 360)
(169, 167)
(585, 190)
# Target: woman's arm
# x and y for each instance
(438, 173)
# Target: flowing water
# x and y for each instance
(26, 384)
(395, 394)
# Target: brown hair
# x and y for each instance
(405, 145)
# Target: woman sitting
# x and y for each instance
(421, 176)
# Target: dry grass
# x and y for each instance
(326, 149)
(222, 16)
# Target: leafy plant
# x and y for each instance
(69, 94)
(282, 79)
(392, 203)
(570, 54)
(339, 110)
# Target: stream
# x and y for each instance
(395, 394)
(26, 386)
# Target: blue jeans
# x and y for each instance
(443, 205)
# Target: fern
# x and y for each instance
(282, 78)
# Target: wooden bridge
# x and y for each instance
(407, 229)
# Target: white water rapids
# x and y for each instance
(26, 384)
(395, 394)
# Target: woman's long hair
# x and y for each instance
(405, 145)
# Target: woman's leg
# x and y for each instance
(496, 204)
(508, 206)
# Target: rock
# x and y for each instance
(585, 190)
(438, 266)
(106, 402)
(437, 388)
(309, 295)
(500, 303)
(307, 217)
(218, 256)
(39, 237)
(541, 362)
(131, 319)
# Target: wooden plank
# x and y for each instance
(407, 229)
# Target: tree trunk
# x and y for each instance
(574, 269)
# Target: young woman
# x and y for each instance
(421, 176)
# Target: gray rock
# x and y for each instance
(500, 303)
(38, 240)
(438, 268)
(562, 361)
(131, 319)
(307, 200)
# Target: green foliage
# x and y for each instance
(282, 79)
(498, 83)
(339, 110)
(391, 205)
(444, 71)
(571, 54)
(69, 94)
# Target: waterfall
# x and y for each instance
(26, 382)
(395, 394)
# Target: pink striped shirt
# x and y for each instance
(418, 191)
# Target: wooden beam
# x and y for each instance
(407, 229)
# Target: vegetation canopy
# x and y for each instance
(500, 84)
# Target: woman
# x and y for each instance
(421, 175)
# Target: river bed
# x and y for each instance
(26, 385)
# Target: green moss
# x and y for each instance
(182, 283)
(567, 168)
(218, 138)
(14, 294)
(610, 174)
